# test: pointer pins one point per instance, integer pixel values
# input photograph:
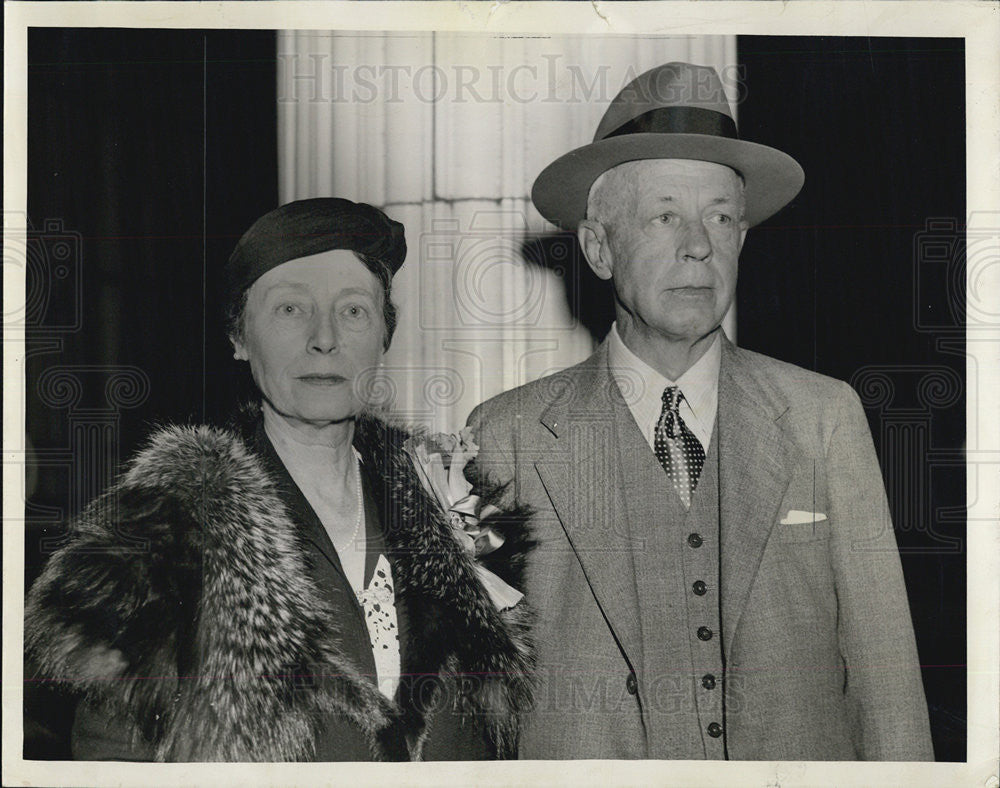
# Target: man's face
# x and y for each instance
(672, 245)
(312, 326)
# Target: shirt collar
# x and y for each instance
(642, 386)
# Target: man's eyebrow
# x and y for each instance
(713, 201)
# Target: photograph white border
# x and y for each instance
(977, 22)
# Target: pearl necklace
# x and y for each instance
(360, 502)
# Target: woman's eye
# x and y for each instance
(355, 312)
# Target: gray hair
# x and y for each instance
(604, 202)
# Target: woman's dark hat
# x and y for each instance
(674, 111)
(308, 227)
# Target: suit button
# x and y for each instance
(631, 684)
(704, 633)
(699, 587)
(714, 730)
(694, 540)
(708, 681)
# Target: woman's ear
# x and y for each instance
(239, 349)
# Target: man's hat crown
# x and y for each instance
(673, 111)
(669, 85)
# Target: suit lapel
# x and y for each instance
(754, 474)
(584, 474)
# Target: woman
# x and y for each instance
(300, 595)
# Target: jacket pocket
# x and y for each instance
(793, 533)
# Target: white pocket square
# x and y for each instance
(797, 517)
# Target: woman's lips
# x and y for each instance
(323, 380)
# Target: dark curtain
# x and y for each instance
(149, 153)
(862, 278)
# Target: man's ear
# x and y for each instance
(594, 242)
(743, 234)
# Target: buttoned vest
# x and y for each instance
(677, 576)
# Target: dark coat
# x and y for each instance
(184, 604)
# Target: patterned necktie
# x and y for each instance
(678, 450)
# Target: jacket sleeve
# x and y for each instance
(884, 686)
(495, 461)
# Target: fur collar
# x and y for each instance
(182, 601)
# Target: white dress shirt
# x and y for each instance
(642, 387)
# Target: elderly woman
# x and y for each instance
(299, 595)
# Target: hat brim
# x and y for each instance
(772, 178)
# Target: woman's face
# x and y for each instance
(313, 326)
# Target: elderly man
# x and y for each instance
(716, 573)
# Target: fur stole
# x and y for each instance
(182, 602)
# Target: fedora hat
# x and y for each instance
(673, 111)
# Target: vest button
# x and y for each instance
(699, 587)
(708, 681)
(695, 540)
(631, 684)
(714, 730)
(704, 633)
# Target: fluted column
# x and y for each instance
(447, 132)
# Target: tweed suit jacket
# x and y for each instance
(817, 641)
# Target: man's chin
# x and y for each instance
(696, 328)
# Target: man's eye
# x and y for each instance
(722, 218)
(665, 218)
(290, 310)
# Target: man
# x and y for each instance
(716, 574)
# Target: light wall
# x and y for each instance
(446, 132)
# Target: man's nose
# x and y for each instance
(324, 335)
(695, 245)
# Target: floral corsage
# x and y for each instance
(440, 462)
